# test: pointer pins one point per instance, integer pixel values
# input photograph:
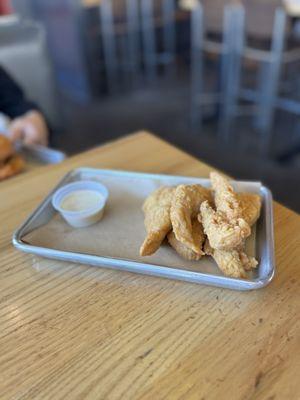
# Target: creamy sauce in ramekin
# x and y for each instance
(81, 200)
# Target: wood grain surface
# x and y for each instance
(76, 332)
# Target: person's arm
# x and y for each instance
(12, 100)
(28, 123)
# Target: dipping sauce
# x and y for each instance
(81, 200)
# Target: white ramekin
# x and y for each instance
(80, 219)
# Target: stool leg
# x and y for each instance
(169, 34)
(269, 81)
(133, 44)
(148, 37)
(197, 89)
(109, 44)
(233, 45)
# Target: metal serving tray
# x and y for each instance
(264, 235)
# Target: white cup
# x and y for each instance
(80, 219)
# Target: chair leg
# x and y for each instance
(109, 44)
(148, 38)
(169, 35)
(197, 89)
(133, 44)
(269, 81)
(233, 45)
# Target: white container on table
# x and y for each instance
(78, 215)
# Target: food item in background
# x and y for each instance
(10, 162)
(11, 167)
(185, 207)
(6, 148)
(250, 204)
(198, 223)
(182, 249)
(157, 219)
(223, 234)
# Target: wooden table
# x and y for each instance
(77, 332)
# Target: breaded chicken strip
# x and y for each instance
(235, 205)
(157, 219)
(232, 263)
(226, 200)
(223, 234)
(185, 207)
(183, 250)
(225, 227)
(248, 262)
(250, 204)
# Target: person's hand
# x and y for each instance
(31, 128)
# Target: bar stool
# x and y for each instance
(153, 58)
(265, 97)
(229, 52)
(130, 44)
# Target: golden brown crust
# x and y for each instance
(185, 207)
(174, 212)
(226, 200)
(223, 234)
(157, 219)
(250, 204)
(183, 250)
(14, 165)
(6, 148)
(232, 263)
(228, 261)
(248, 262)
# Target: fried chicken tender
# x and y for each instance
(185, 207)
(223, 234)
(227, 226)
(250, 204)
(195, 224)
(226, 200)
(247, 261)
(157, 219)
(6, 148)
(232, 263)
(12, 166)
(182, 249)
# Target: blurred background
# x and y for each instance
(219, 79)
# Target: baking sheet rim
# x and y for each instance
(146, 268)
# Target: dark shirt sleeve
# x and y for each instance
(12, 99)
